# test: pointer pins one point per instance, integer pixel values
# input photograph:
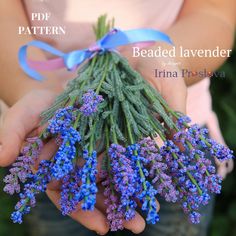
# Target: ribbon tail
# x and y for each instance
(24, 65)
(52, 64)
(30, 67)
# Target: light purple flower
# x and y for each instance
(91, 100)
(21, 168)
(115, 216)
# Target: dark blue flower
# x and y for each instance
(220, 151)
(16, 217)
(88, 188)
(183, 121)
(145, 192)
(62, 120)
(63, 160)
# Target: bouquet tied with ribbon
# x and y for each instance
(110, 110)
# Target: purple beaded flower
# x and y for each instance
(124, 179)
(159, 170)
(70, 192)
(194, 177)
(37, 185)
(196, 136)
(21, 169)
(220, 151)
(115, 215)
(91, 100)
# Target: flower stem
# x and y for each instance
(104, 73)
(109, 162)
(114, 137)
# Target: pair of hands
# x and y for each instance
(23, 118)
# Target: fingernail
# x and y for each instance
(99, 233)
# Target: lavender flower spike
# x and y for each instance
(124, 179)
(27, 199)
(88, 188)
(115, 215)
(145, 191)
(21, 169)
(91, 100)
(159, 170)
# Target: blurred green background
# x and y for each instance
(224, 103)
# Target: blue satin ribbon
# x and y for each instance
(110, 41)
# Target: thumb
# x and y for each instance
(19, 121)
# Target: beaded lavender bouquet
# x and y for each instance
(109, 108)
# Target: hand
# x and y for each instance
(22, 120)
(172, 89)
(225, 167)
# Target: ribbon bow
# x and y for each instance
(72, 60)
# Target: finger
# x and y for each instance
(93, 220)
(221, 170)
(37, 131)
(15, 127)
(48, 151)
(159, 141)
(100, 202)
(54, 185)
(20, 120)
(136, 225)
(225, 167)
(230, 165)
